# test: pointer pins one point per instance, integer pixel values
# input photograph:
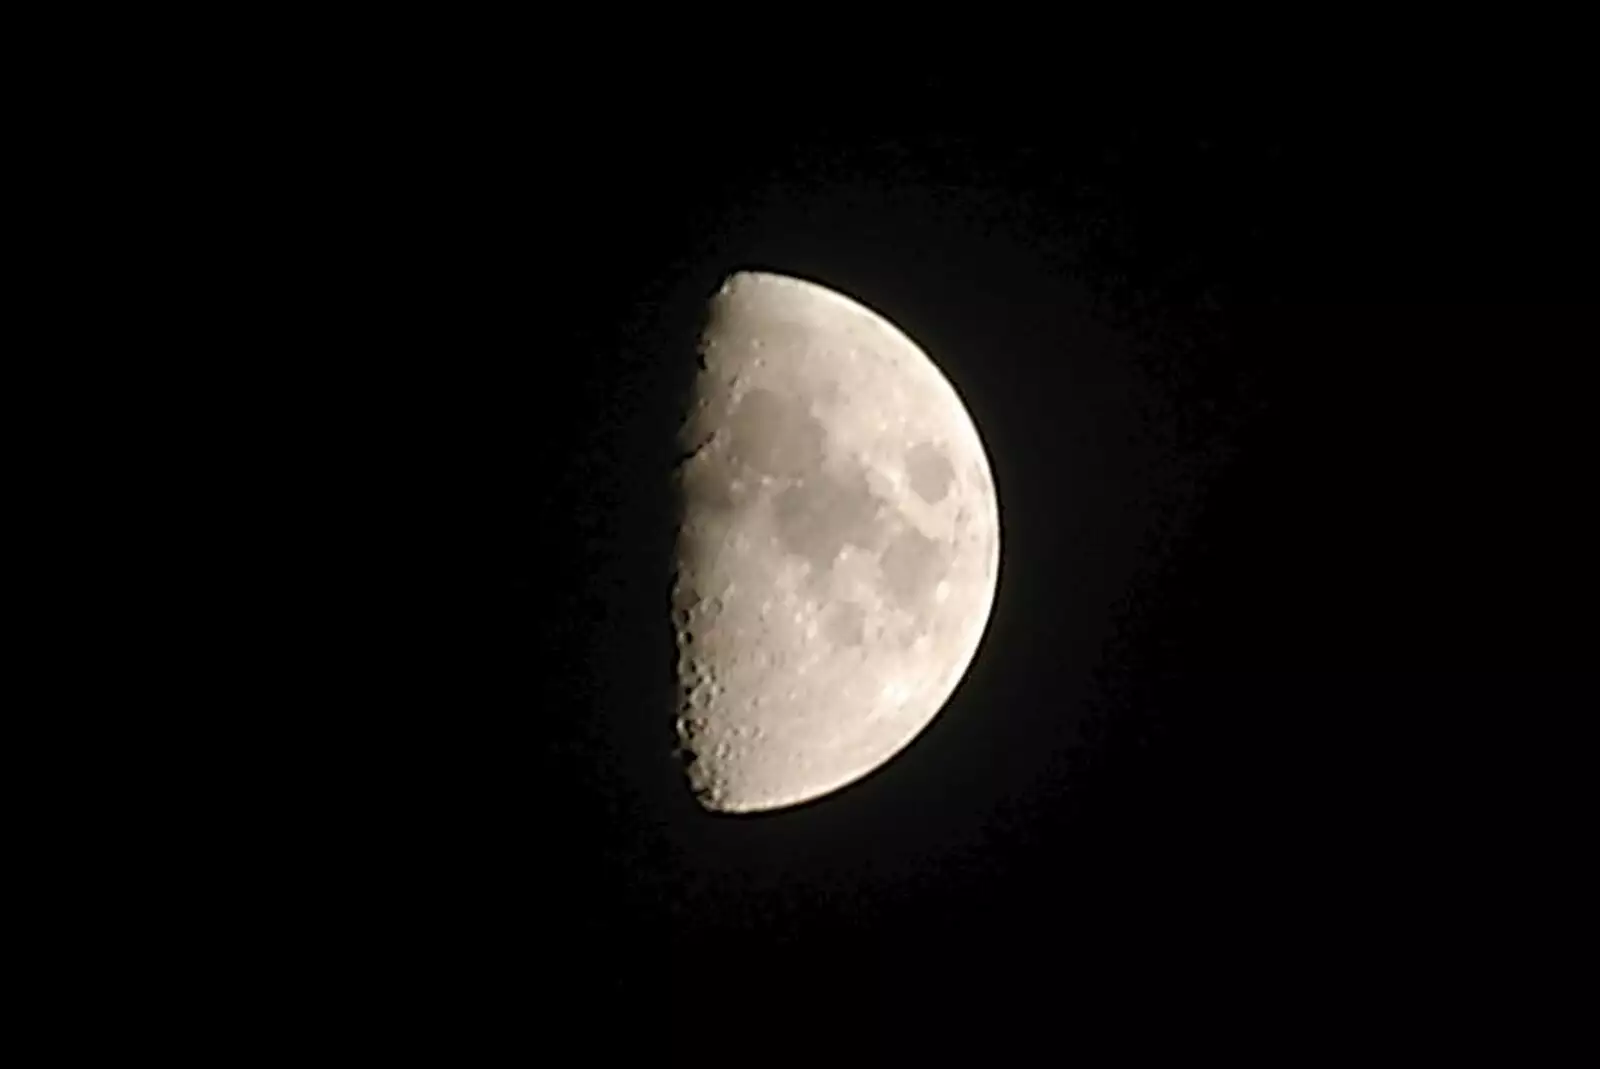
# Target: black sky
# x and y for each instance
(1295, 582)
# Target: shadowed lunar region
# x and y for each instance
(837, 551)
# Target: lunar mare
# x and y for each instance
(838, 546)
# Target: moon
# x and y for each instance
(837, 551)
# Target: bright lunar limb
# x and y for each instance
(838, 548)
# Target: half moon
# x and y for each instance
(838, 546)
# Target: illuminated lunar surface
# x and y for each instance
(838, 548)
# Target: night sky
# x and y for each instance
(1294, 594)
